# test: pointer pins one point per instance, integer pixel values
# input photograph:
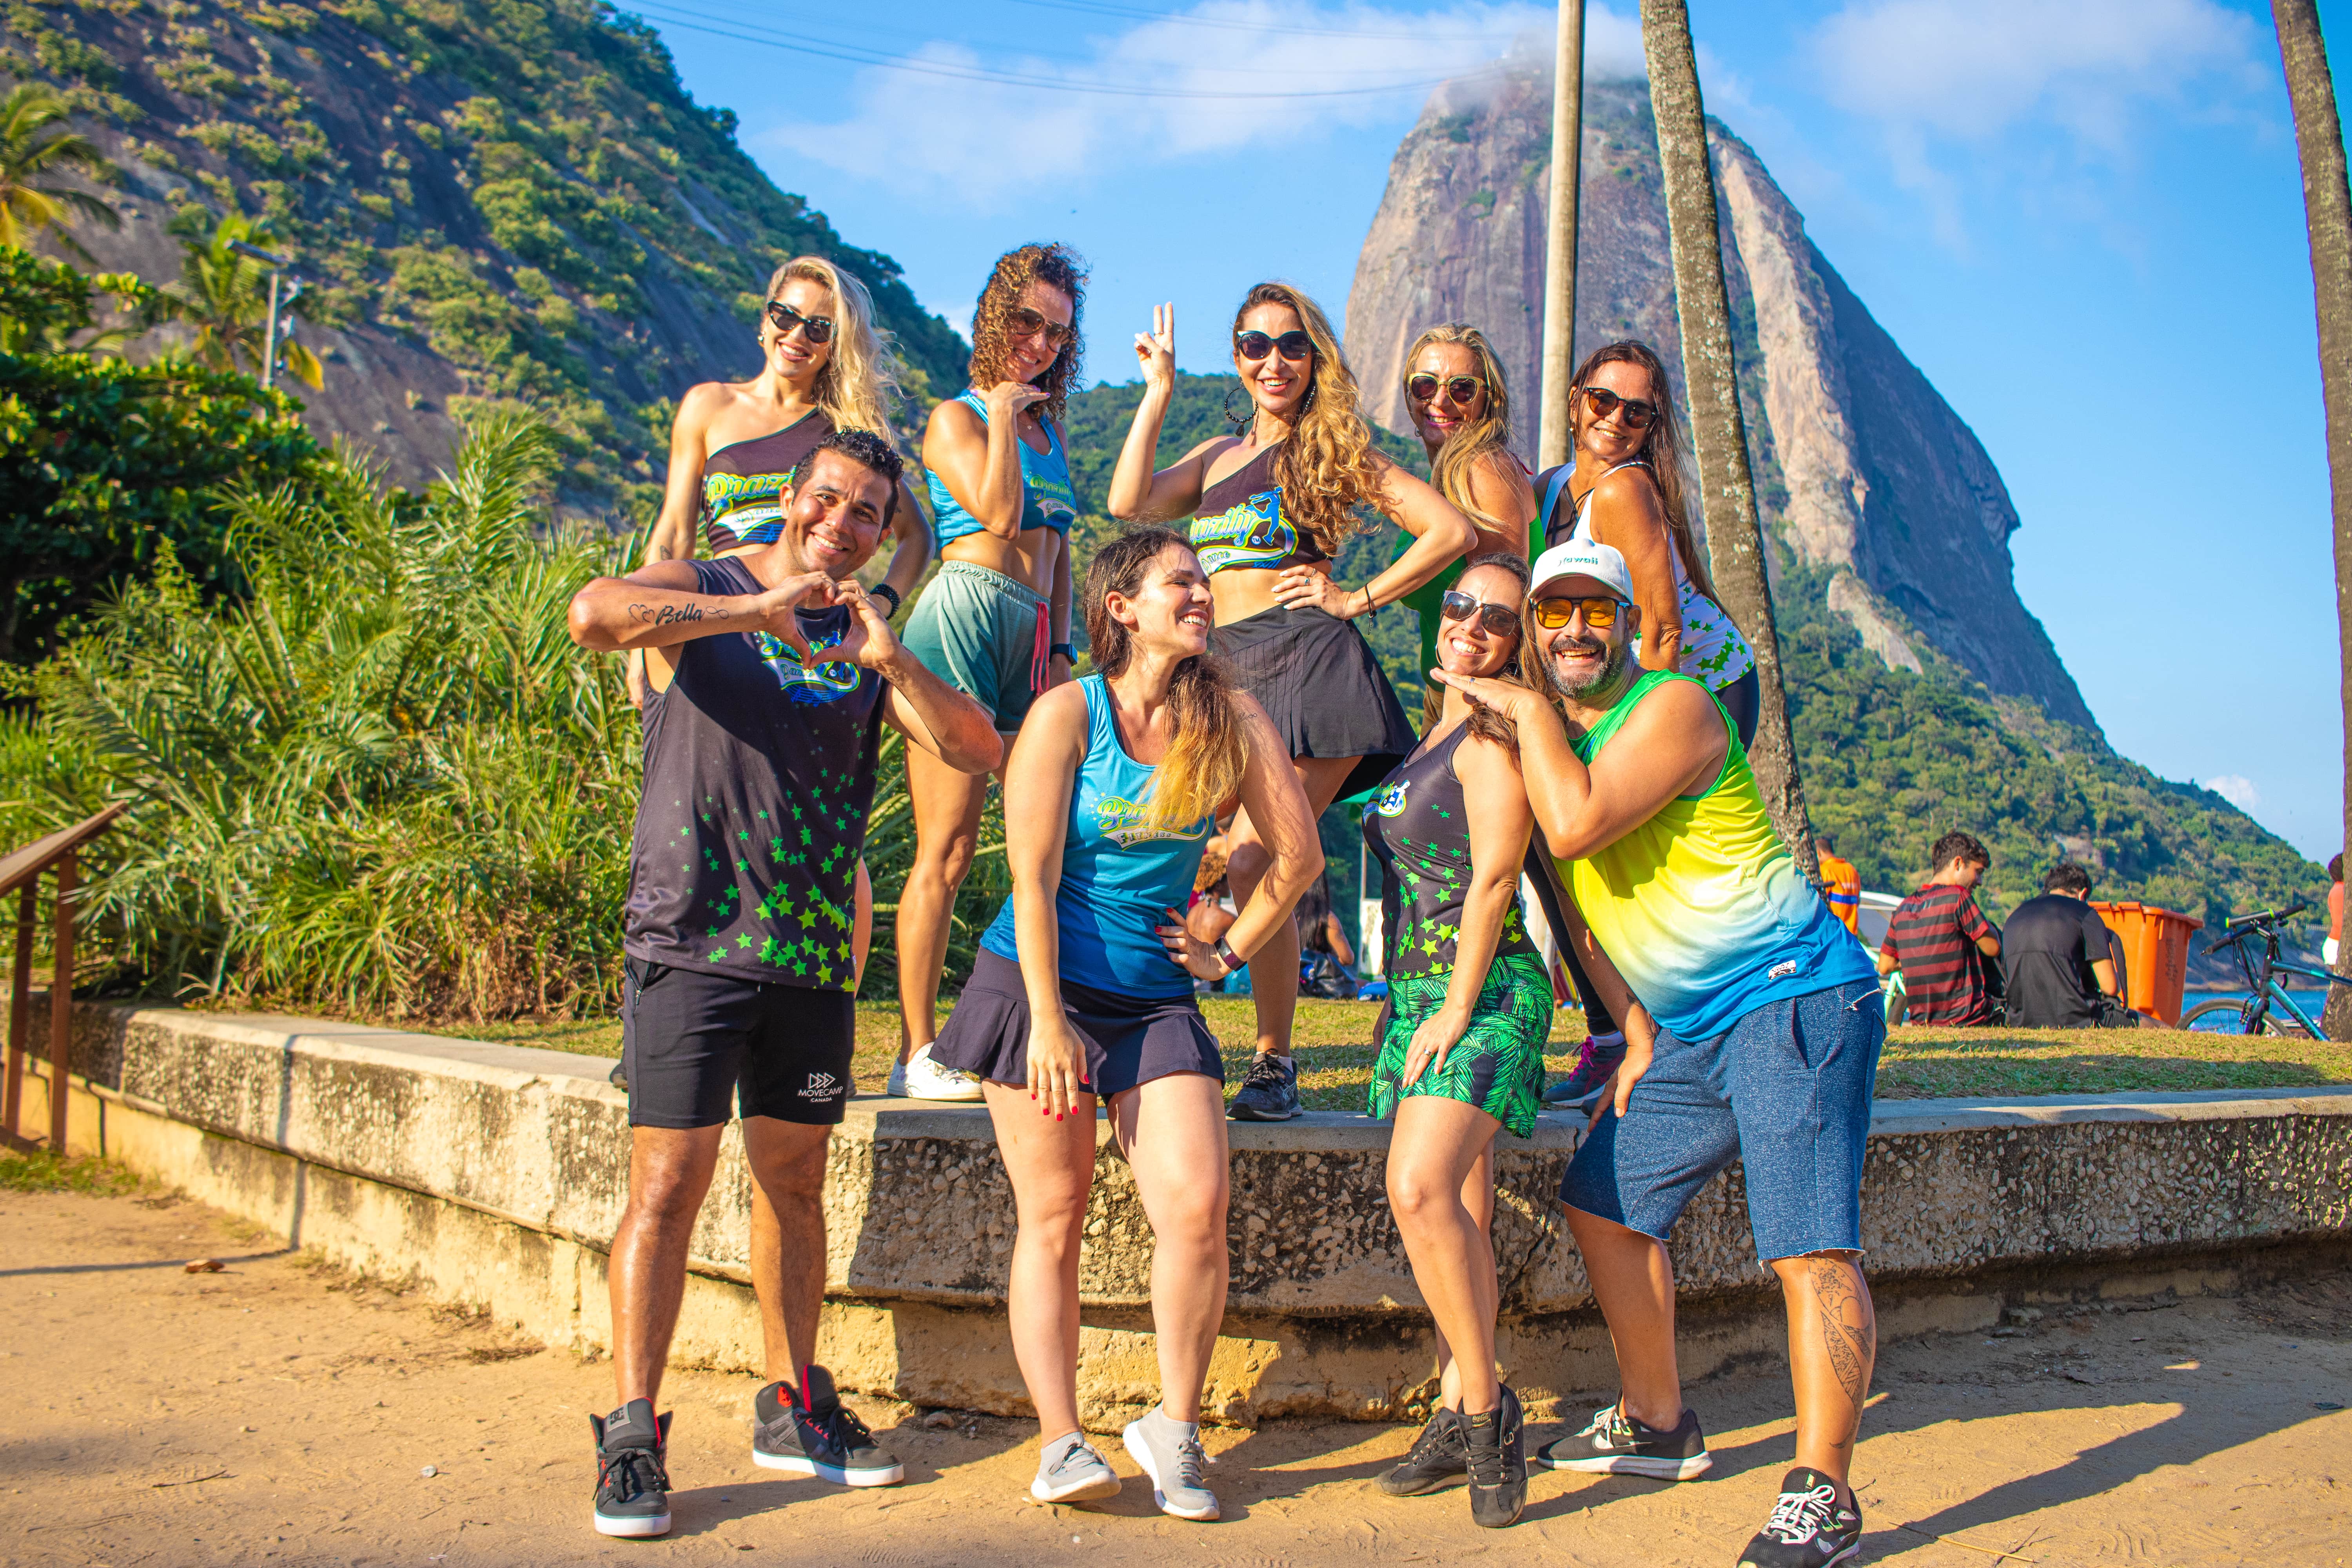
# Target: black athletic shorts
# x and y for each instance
(695, 1045)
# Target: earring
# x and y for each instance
(1237, 420)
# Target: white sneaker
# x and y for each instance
(896, 1088)
(922, 1079)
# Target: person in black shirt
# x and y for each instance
(769, 676)
(2060, 958)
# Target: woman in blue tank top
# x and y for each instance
(1083, 992)
(995, 620)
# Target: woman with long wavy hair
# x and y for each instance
(1083, 993)
(1460, 401)
(1270, 506)
(995, 621)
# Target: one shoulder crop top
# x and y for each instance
(746, 484)
(1240, 525)
(1047, 500)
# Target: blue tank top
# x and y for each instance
(1120, 877)
(1047, 498)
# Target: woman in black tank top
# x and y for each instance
(1268, 509)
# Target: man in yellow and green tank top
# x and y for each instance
(1753, 1028)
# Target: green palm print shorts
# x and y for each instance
(1496, 1066)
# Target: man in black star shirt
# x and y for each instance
(770, 677)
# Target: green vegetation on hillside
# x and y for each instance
(525, 189)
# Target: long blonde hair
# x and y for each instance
(1207, 754)
(858, 386)
(1325, 466)
(1457, 460)
(1663, 448)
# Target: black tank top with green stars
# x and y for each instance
(758, 771)
(1418, 829)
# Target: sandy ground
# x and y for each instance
(280, 1412)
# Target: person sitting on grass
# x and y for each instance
(2062, 959)
(1937, 936)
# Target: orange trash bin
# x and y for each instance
(2156, 954)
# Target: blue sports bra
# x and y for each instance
(1047, 498)
(1240, 523)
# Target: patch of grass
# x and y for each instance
(42, 1171)
(1334, 1042)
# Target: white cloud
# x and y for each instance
(985, 145)
(2237, 789)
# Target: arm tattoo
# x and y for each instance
(677, 614)
(1849, 1331)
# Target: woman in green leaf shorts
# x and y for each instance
(1462, 1038)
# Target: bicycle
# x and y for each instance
(2254, 1014)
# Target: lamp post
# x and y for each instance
(278, 266)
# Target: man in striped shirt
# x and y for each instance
(1937, 935)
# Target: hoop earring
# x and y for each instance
(1237, 420)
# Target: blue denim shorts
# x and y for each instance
(1786, 1092)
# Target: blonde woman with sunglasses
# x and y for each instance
(995, 622)
(1270, 506)
(1461, 408)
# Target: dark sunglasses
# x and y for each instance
(1498, 620)
(1600, 611)
(815, 328)
(1638, 415)
(1295, 346)
(1025, 323)
(1459, 389)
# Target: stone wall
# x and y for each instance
(496, 1174)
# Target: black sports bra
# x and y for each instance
(1239, 524)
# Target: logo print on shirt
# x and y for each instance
(1251, 533)
(1126, 822)
(827, 681)
(1390, 802)
(821, 1086)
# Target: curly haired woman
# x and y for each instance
(995, 622)
(1270, 508)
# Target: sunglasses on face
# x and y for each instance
(1025, 323)
(1459, 389)
(1496, 620)
(815, 328)
(1295, 346)
(1599, 612)
(1637, 413)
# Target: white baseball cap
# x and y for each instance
(1581, 558)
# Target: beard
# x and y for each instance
(1576, 690)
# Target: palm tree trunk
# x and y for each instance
(1735, 538)
(2327, 209)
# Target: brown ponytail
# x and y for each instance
(1206, 754)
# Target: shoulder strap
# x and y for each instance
(1552, 491)
(971, 396)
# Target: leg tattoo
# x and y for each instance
(1849, 1331)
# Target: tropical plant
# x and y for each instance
(37, 149)
(225, 295)
(2327, 211)
(44, 304)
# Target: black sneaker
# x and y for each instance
(1495, 1444)
(632, 1486)
(1269, 1092)
(1436, 1459)
(813, 1434)
(1810, 1528)
(1614, 1444)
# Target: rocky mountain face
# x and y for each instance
(1861, 467)
(488, 200)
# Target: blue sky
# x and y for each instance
(2084, 222)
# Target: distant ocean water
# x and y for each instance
(2310, 1001)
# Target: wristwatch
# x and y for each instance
(1065, 649)
(1229, 958)
(895, 600)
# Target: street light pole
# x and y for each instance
(278, 266)
(1559, 240)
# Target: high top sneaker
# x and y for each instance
(808, 1431)
(632, 1480)
(1810, 1528)
(1494, 1444)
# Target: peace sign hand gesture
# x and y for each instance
(1155, 350)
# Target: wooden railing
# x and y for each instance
(21, 873)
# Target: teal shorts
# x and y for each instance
(1497, 1065)
(983, 634)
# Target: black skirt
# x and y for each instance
(1129, 1040)
(1318, 680)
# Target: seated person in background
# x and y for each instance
(1326, 960)
(2061, 969)
(1933, 932)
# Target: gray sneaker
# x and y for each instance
(1071, 1471)
(1269, 1091)
(1169, 1453)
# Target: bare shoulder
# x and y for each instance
(1480, 760)
(1500, 488)
(955, 418)
(1629, 485)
